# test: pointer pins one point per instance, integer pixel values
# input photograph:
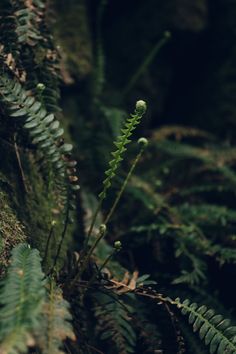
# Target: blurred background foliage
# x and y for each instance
(177, 220)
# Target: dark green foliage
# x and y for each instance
(114, 324)
(121, 143)
(213, 329)
(22, 298)
(28, 17)
(30, 314)
(56, 322)
(45, 131)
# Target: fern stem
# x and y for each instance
(117, 248)
(62, 238)
(143, 142)
(20, 165)
(101, 233)
(147, 61)
(48, 242)
(50, 314)
(92, 223)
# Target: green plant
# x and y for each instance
(172, 234)
(44, 131)
(28, 18)
(22, 298)
(31, 314)
(216, 331)
(56, 321)
(121, 143)
(113, 324)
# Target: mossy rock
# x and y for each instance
(28, 205)
(12, 230)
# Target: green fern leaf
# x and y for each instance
(121, 143)
(22, 298)
(57, 318)
(113, 324)
(216, 331)
(44, 130)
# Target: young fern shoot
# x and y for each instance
(103, 227)
(121, 143)
(143, 142)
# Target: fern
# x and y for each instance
(28, 17)
(149, 334)
(45, 131)
(113, 324)
(216, 331)
(57, 318)
(121, 144)
(8, 36)
(179, 132)
(22, 298)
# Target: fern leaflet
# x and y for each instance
(216, 331)
(21, 300)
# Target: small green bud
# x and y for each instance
(53, 223)
(143, 141)
(102, 229)
(141, 107)
(167, 34)
(40, 87)
(117, 245)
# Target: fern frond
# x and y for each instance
(179, 132)
(121, 143)
(8, 36)
(213, 329)
(57, 318)
(21, 299)
(113, 324)
(44, 131)
(28, 17)
(149, 334)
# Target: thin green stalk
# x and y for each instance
(117, 248)
(48, 242)
(93, 223)
(62, 239)
(147, 61)
(102, 231)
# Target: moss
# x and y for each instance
(11, 229)
(27, 204)
(41, 211)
